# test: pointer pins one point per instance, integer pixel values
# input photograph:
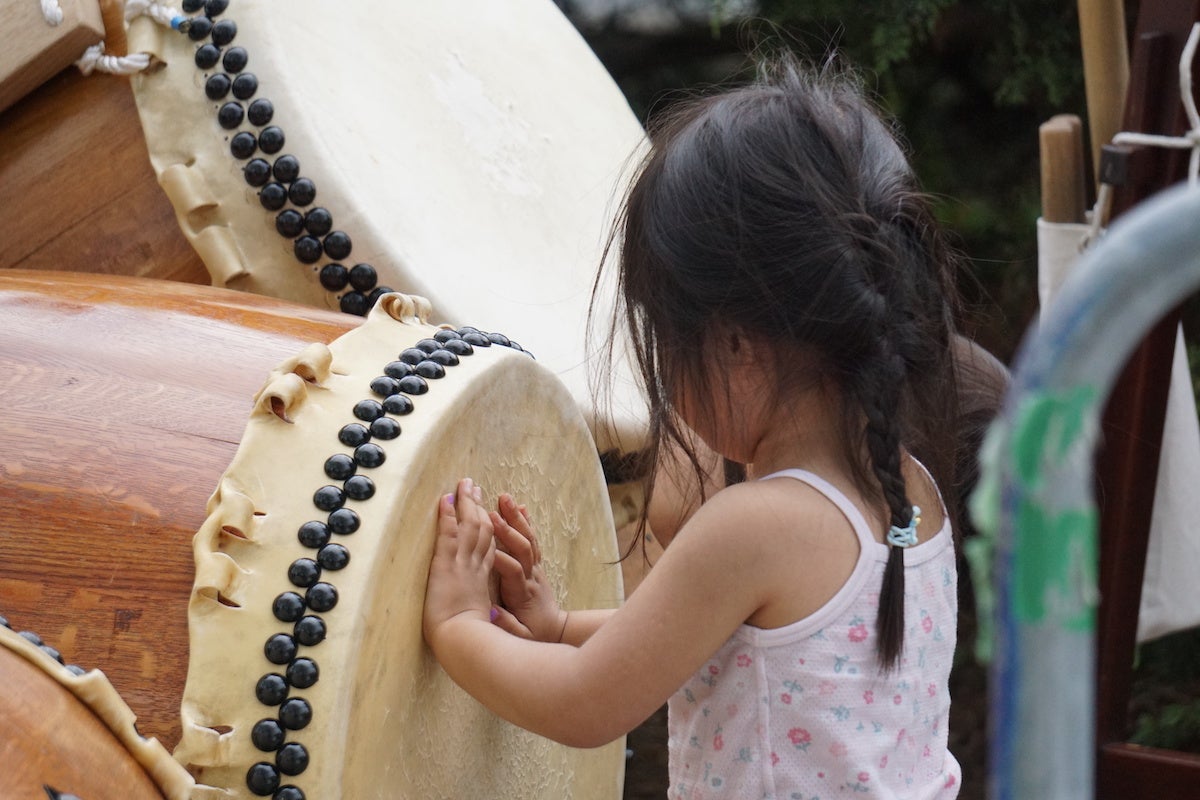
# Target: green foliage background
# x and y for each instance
(969, 81)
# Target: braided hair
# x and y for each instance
(787, 208)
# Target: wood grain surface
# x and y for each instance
(76, 188)
(122, 401)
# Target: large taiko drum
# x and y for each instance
(307, 664)
(472, 153)
(300, 632)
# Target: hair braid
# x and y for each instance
(881, 393)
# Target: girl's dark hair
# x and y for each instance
(787, 209)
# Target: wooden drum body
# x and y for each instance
(123, 400)
(68, 734)
(76, 186)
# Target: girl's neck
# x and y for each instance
(808, 435)
(804, 434)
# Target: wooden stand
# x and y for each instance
(1127, 462)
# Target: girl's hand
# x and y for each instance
(530, 609)
(463, 556)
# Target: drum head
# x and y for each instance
(308, 667)
(471, 152)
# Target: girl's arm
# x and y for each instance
(703, 587)
(581, 624)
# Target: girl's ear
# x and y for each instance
(736, 341)
(726, 341)
(735, 345)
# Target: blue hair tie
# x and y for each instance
(906, 536)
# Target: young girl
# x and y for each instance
(786, 292)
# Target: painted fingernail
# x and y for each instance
(449, 499)
(477, 493)
(495, 613)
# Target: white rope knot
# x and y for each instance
(1189, 140)
(161, 13)
(52, 12)
(94, 59)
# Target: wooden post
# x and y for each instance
(1063, 193)
(1127, 460)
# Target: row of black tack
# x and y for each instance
(392, 396)
(279, 182)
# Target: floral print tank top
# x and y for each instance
(803, 712)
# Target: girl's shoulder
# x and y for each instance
(799, 545)
(772, 506)
(796, 503)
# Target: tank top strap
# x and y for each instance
(857, 521)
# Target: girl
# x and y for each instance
(786, 293)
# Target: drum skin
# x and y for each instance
(434, 162)
(517, 184)
(124, 400)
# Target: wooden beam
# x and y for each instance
(1133, 771)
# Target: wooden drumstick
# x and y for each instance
(1063, 194)
(113, 13)
(1105, 69)
(1062, 169)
